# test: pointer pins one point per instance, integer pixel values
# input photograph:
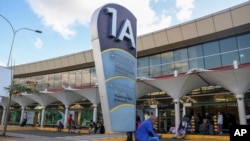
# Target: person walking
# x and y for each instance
(145, 131)
(220, 122)
(70, 121)
(210, 123)
(59, 126)
(137, 120)
(25, 118)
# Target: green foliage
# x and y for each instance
(16, 89)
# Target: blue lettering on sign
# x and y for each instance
(125, 30)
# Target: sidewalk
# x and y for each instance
(17, 133)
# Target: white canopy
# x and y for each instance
(144, 88)
(92, 94)
(67, 97)
(42, 99)
(22, 100)
(178, 86)
(235, 80)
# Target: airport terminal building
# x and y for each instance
(195, 67)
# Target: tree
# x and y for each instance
(16, 89)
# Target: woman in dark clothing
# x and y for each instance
(138, 121)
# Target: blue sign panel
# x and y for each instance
(114, 46)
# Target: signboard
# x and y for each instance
(187, 104)
(5, 81)
(113, 30)
(30, 117)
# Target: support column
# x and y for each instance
(241, 109)
(66, 116)
(95, 113)
(42, 117)
(156, 111)
(4, 112)
(177, 112)
(183, 110)
(22, 113)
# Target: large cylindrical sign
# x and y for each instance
(113, 30)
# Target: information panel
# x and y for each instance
(113, 30)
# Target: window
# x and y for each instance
(143, 67)
(211, 48)
(180, 55)
(167, 69)
(212, 62)
(44, 82)
(228, 44)
(155, 60)
(65, 79)
(244, 41)
(51, 80)
(78, 78)
(143, 72)
(58, 80)
(142, 62)
(155, 68)
(93, 79)
(86, 77)
(228, 58)
(244, 56)
(181, 66)
(195, 52)
(155, 71)
(196, 63)
(72, 78)
(167, 57)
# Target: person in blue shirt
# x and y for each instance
(145, 131)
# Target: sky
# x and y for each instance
(65, 24)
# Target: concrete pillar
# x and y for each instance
(156, 111)
(177, 112)
(183, 110)
(4, 112)
(66, 116)
(42, 117)
(241, 109)
(95, 113)
(22, 113)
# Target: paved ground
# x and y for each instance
(39, 135)
(17, 137)
(36, 135)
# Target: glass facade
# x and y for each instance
(210, 55)
(76, 78)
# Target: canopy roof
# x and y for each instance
(235, 80)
